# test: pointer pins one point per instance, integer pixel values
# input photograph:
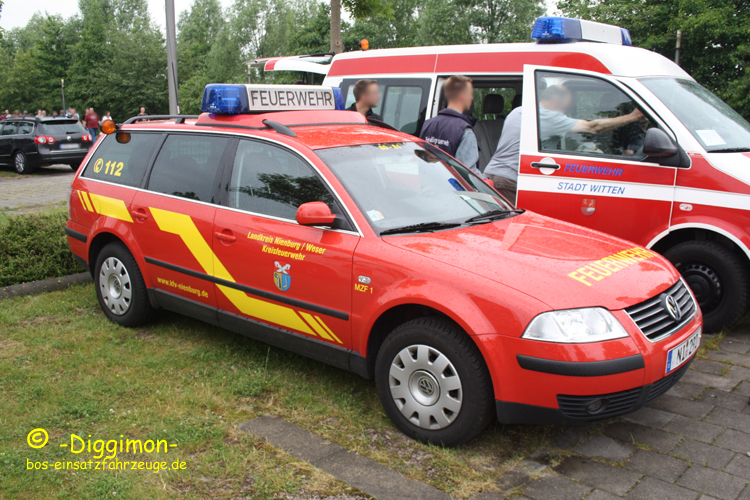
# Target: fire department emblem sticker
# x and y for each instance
(281, 277)
(588, 206)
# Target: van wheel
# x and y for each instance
(718, 278)
(120, 287)
(434, 383)
(21, 164)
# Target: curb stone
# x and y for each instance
(43, 286)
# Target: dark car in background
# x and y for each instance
(30, 143)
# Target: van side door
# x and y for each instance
(599, 180)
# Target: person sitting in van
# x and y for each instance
(554, 124)
(366, 96)
(451, 130)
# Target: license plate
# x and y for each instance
(70, 146)
(678, 355)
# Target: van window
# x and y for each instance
(187, 166)
(122, 162)
(270, 180)
(585, 98)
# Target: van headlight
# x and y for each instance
(572, 326)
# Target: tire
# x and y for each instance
(74, 166)
(447, 407)
(120, 287)
(21, 164)
(718, 278)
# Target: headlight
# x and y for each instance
(573, 326)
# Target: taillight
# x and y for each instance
(87, 138)
(50, 140)
(44, 140)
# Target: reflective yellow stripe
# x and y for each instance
(319, 329)
(183, 226)
(328, 329)
(111, 207)
(84, 201)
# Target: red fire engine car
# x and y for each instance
(318, 232)
(690, 202)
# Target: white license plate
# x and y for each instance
(678, 355)
(70, 146)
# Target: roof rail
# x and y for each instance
(177, 118)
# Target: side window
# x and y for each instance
(269, 180)
(9, 129)
(187, 166)
(25, 128)
(564, 99)
(403, 108)
(122, 158)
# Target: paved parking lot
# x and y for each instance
(46, 186)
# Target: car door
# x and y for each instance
(602, 181)
(173, 221)
(7, 133)
(277, 273)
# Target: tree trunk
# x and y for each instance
(336, 46)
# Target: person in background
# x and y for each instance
(54, 114)
(106, 117)
(16, 113)
(72, 114)
(5, 115)
(62, 113)
(143, 112)
(92, 122)
(503, 167)
(366, 96)
(451, 130)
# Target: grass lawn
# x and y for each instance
(65, 368)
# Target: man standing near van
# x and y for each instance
(554, 124)
(366, 96)
(451, 130)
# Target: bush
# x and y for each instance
(34, 247)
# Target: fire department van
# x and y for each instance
(363, 247)
(687, 196)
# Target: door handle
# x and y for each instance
(537, 164)
(139, 213)
(229, 238)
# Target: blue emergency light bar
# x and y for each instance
(565, 29)
(236, 99)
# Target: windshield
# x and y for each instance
(62, 127)
(717, 126)
(400, 185)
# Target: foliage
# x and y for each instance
(715, 33)
(34, 247)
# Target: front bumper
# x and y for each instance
(575, 409)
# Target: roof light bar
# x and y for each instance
(234, 99)
(565, 30)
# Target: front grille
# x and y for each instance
(617, 403)
(661, 386)
(652, 317)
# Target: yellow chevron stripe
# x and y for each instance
(84, 201)
(111, 207)
(319, 329)
(184, 227)
(322, 323)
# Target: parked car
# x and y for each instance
(30, 143)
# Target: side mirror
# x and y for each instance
(315, 213)
(658, 144)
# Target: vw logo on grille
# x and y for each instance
(673, 309)
(426, 386)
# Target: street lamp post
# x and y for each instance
(62, 86)
(174, 107)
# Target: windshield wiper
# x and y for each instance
(730, 150)
(424, 227)
(494, 215)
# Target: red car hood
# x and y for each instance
(563, 265)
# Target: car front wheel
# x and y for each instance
(434, 383)
(120, 287)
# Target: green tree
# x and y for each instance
(499, 21)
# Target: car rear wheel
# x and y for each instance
(434, 383)
(718, 278)
(120, 287)
(21, 164)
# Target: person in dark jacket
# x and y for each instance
(452, 130)
(367, 96)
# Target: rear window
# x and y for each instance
(122, 162)
(61, 127)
